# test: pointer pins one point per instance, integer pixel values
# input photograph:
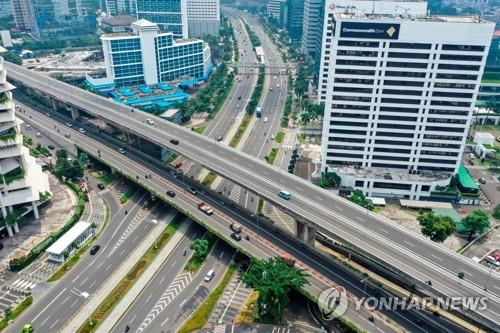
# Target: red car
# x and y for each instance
(178, 165)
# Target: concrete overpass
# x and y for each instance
(394, 248)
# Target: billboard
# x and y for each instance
(369, 30)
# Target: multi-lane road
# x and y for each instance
(264, 241)
(396, 248)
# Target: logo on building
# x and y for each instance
(391, 31)
(369, 30)
(332, 302)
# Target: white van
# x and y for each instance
(210, 275)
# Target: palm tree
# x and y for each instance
(274, 279)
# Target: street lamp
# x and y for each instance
(364, 281)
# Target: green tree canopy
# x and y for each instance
(359, 198)
(274, 278)
(65, 168)
(496, 212)
(476, 222)
(200, 247)
(436, 227)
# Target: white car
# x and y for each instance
(122, 151)
(38, 135)
(28, 127)
(81, 130)
(150, 121)
(277, 86)
(275, 77)
(265, 119)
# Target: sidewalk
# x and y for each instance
(99, 295)
(133, 293)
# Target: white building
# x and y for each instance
(70, 241)
(21, 178)
(399, 91)
(146, 56)
(203, 17)
(273, 8)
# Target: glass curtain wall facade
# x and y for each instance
(169, 15)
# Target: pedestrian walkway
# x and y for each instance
(229, 305)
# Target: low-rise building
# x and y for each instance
(70, 241)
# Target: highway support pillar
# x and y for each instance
(4, 215)
(305, 233)
(75, 113)
(54, 104)
(35, 210)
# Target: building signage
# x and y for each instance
(369, 30)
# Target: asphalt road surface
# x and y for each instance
(264, 240)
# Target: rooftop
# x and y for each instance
(465, 178)
(119, 20)
(393, 175)
(69, 237)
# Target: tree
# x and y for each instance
(476, 222)
(359, 198)
(61, 153)
(274, 278)
(65, 168)
(200, 247)
(436, 227)
(329, 179)
(496, 212)
(84, 158)
(12, 57)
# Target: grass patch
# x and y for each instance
(105, 177)
(130, 192)
(279, 137)
(249, 311)
(16, 312)
(195, 262)
(39, 151)
(108, 304)
(199, 129)
(201, 315)
(272, 156)
(239, 133)
(171, 158)
(209, 179)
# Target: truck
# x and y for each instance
(205, 208)
(258, 112)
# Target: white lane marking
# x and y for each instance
(66, 299)
(49, 305)
(84, 280)
(383, 230)
(54, 324)
(408, 243)
(43, 322)
(173, 264)
(92, 284)
(165, 321)
(133, 318)
(149, 297)
(73, 304)
(434, 256)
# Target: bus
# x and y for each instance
(258, 112)
(284, 194)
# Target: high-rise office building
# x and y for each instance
(312, 31)
(169, 15)
(273, 8)
(5, 8)
(146, 56)
(399, 91)
(203, 17)
(295, 17)
(23, 12)
(22, 181)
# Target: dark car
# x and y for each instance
(236, 236)
(239, 98)
(51, 147)
(219, 138)
(174, 141)
(171, 193)
(101, 186)
(94, 249)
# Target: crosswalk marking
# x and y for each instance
(179, 283)
(235, 193)
(220, 329)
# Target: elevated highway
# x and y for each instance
(393, 247)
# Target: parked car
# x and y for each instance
(94, 249)
(171, 193)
